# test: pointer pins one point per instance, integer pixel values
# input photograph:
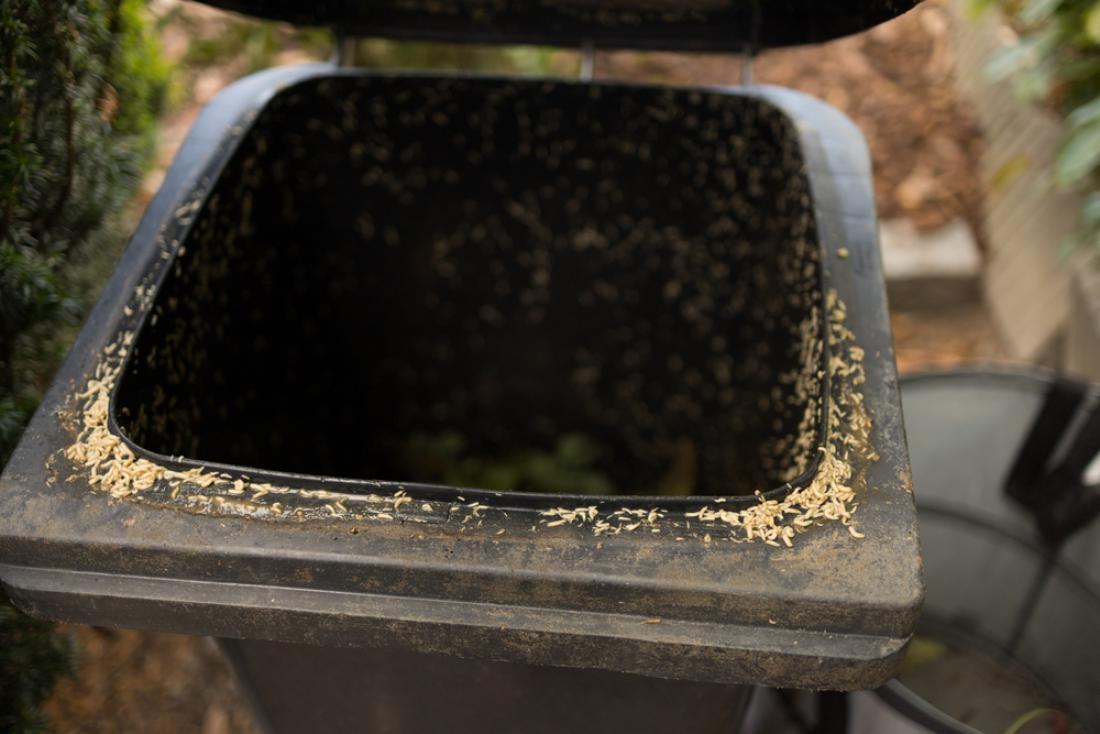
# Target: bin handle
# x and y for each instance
(1047, 477)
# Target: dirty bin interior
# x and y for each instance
(516, 285)
(378, 332)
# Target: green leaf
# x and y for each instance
(1079, 155)
(923, 650)
(1084, 114)
(975, 9)
(1092, 23)
(1008, 172)
(1033, 53)
(1012, 60)
(1091, 209)
(1019, 724)
(1086, 70)
(577, 450)
(1033, 84)
(1069, 246)
(1036, 11)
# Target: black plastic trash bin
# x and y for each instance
(341, 263)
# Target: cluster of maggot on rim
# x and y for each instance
(110, 465)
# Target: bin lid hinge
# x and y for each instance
(752, 46)
(587, 68)
(747, 57)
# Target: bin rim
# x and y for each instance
(832, 612)
(514, 500)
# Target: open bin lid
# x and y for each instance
(701, 25)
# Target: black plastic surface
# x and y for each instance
(704, 25)
(833, 611)
(505, 263)
(299, 688)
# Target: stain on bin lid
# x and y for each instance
(702, 25)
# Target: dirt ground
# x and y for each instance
(895, 82)
(146, 682)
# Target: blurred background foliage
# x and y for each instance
(570, 467)
(1055, 61)
(81, 85)
(32, 658)
(252, 45)
(520, 60)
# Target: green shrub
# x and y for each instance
(81, 82)
(1056, 62)
(33, 658)
(247, 43)
(532, 60)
